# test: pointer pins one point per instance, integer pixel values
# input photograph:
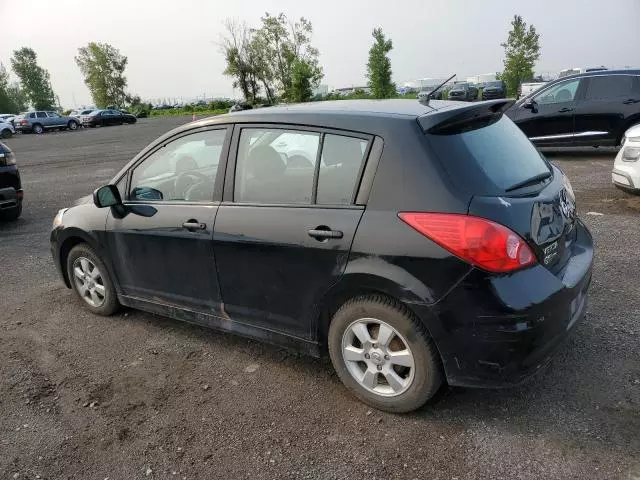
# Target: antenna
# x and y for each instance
(426, 101)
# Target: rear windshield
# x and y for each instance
(489, 159)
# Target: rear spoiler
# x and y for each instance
(448, 121)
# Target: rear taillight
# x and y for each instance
(479, 241)
(7, 158)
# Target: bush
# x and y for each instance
(66, 113)
(188, 110)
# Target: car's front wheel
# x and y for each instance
(72, 125)
(91, 281)
(383, 354)
(6, 133)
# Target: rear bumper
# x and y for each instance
(10, 198)
(497, 331)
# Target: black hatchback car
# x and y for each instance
(11, 192)
(416, 244)
(589, 109)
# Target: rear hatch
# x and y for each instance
(509, 181)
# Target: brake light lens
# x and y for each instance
(481, 242)
(7, 158)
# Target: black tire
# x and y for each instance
(72, 125)
(110, 304)
(37, 128)
(6, 133)
(427, 377)
(11, 214)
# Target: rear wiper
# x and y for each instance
(530, 181)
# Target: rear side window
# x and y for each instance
(490, 159)
(612, 86)
(339, 169)
(41, 114)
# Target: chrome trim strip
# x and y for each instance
(569, 135)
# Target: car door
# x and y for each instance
(42, 119)
(162, 250)
(285, 228)
(548, 118)
(600, 118)
(55, 120)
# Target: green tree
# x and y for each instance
(301, 80)
(522, 50)
(277, 57)
(34, 79)
(103, 68)
(379, 66)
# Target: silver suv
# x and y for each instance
(39, 121)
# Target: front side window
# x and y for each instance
(561, 93)
(182, 170)
(610, 86)
(276, 166)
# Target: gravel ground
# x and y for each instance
(139, 396)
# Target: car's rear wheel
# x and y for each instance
(6, 133)
(37, 128)
(72, 125)
(91, 281)
(383, 354)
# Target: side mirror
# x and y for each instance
(107, 196)
(146, 193)
(529, 105)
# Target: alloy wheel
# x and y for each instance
(378, 357)
(89, 281)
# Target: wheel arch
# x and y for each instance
(71, 239)
(357, 284)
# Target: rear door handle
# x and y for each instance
(194, 225)
(321, 233)
(565, 110)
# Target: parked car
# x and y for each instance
(81, 113)
(238, 107)
(11, 192)
(589, 109)
(6, 129)
(40, 121)
(626, 168)
(435, 95)
(464, 91)
(406, 245)
(493, 90)
(527, 88)
(107, 117)
(7, 117)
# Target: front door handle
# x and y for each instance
(565, 110)
(323, 233)
(194, 225)
(630, 101)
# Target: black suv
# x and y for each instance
(10, 185)
(493, 90)
(464, 91)
(590, 109)
(391, 234)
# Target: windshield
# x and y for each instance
(460, 86)
(494, 84)
(490, 159)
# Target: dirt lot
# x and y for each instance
(139, 396)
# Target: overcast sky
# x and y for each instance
(173, 52)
